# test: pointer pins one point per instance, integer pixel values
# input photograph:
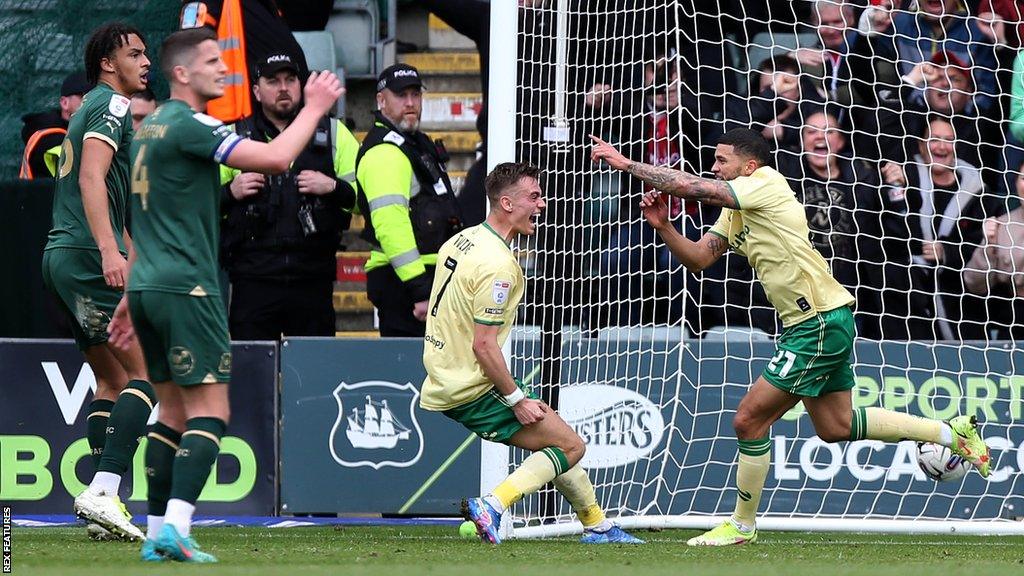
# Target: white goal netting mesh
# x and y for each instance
(893, 124)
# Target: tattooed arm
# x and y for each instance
(696, 256)
(683, 185)
(674, 182)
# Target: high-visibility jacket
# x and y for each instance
(236, 102)
(30, 146)
(407, 198)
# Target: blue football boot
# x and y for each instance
(615, 535)
(171, 544)
(486, 518)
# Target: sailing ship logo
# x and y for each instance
(378, 419)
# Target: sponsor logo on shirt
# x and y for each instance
(741, 237)
(500, 291)
(803, 304)
(496, 311)
(430, 339)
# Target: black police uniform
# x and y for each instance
(278, 246)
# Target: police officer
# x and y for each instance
(280, 232)
(405, 192)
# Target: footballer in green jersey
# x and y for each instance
(85, 265)
(174, 304)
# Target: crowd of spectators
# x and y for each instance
(899, 124)
(900, 129)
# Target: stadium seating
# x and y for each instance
(767, 44)
(360, 47)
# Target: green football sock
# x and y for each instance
(196, 456)
(162, 444)
(96, 427)
(126, 424)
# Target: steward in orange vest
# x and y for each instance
(45, 131)
(247, 31)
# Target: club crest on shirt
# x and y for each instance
(500, 291)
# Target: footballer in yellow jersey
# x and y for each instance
(471, 310)
(762, 220)
(479, 281)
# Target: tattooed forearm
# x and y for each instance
(683, 185)
(664, 179)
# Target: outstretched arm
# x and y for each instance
(675, 182)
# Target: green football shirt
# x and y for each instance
(176, 200)
(104, 116)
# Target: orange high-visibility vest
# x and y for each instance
(236, 102)
(26, 166)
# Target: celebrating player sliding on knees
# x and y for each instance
(472, 308)
(762, 220)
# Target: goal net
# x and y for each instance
(902, 168)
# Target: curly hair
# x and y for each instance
(103, 42)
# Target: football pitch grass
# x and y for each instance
(410, 550)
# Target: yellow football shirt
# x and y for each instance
(477, 281)
(770, 229)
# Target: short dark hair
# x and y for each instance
(769, 66)
(506, 175)
(926, 129)
(103, 42)
(779, 63)
(180, 47)
(748, 143)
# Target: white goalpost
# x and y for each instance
(647, 362)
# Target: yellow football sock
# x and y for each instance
(889, 426)
(575, 485)
(755, 457)
(537, 470)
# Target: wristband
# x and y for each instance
(515, 397)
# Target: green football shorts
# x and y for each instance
(184, 338)
(76, 277)
(813, 357)
(488, 416)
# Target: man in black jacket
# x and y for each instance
(44, 131)
(280, 233)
